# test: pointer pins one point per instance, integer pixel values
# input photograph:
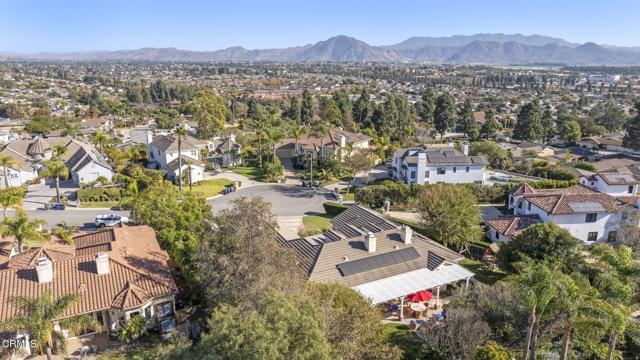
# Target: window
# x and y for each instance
(441, 171)
(613, 236)
(467, 169)
(520, 205)
(529, 206)
(591, 217)
(630, 190)
(164, 309)
(511, 200)
(413, 174)
(592, 236)
(147, 312)
(426, 174)
(455, 169)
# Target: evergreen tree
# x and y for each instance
(529, 124)
(490, 126)
(468, 123)
(362, 109)
(444, 116)
(632, 138)
(293, 112)
(548, 125)
(426, 107)
(306, 112)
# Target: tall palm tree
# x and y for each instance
(99, 139)
(22, 229)
(11, 197)
(58, 150)
(274, 135)
(6, 162)
(537, 285)
(65, 232)
(55, 169)
(38, 317)
(181, 132)
(320, 131)
(189, 163)
(297, 130)
(616, 278)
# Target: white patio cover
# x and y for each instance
(411, 282)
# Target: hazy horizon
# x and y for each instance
(76, 26)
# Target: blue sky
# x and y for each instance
(56, 25)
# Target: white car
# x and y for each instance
(110, 220)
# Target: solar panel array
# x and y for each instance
(434, 260)
(378, 261)
(585, 206)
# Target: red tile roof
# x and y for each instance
(512, 225)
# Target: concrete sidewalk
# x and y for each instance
(288, 226)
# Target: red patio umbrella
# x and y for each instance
(420, 296)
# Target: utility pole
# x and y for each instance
(311, 170)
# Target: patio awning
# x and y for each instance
(410, 282)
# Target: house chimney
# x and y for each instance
(407, 233)
(465, 149)
(44, 269)
(102, 263)
(370, 242)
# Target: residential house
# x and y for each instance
(163, 149)
(503, 229)
(611, 142)
(377, 257)
(92, 124)
(85, 163)
(589, 215)
(336, 141)
(118, 274)
(197, 169)
(437, 165)
(227, 152)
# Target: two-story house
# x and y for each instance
(618, 184)
(437, 165)
(163, 153)
(589, 215)
(335, 141)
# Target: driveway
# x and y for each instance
(40, 194)
(286, 200)
(230, 175)
(83, 218)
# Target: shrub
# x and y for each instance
(334, 209)
(553, 172)
(100, 194)
(585, 166)
(309, 230)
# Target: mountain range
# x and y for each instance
(513, 49)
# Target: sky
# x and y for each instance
(28, 26)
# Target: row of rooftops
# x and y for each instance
(333, 140)
(122, 267)
(363, 246)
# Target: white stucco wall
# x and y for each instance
(17, 177)
(91, 172)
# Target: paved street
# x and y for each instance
(83, 218)
(286, 200)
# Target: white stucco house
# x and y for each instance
(503, 229)
(589, 215)
(197, 169)
(163, 149)
(618, 184)
(437, 165)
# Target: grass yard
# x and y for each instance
(351, 196)
(405, 339)
(319, 221)
(483, 274)
(251, 171)
(209, 188)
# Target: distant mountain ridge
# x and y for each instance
(459, 49)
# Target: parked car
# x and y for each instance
(110, 220)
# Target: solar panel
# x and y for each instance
(377, 261)
(447, 160)
(434, 260)
(585, 206)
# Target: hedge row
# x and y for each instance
(401, 194)
(333, 208)
(101, 194)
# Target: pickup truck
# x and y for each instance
(110, 220)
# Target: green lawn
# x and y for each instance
(482, 274)
(209, 188)
(351, 196)
(405, 339)
(252, 172)
(319, 221)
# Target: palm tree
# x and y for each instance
(133, 329)
(297, 131)
(58, 150)
(55, 169)
(537, 285)
(11, 197)
(99, 139)
(65, 232)
(38, 317)
(321, 130)
(6, 162)
(273, 135)
(616, 278)
(189, 163)
(22, 229)
(72, 129)
(181, 132)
